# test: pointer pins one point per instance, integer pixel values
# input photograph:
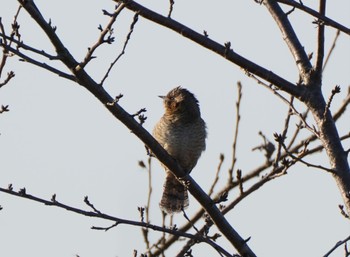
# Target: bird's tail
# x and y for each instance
(175, 196)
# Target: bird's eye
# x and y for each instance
(175, 105)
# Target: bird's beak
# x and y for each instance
(162, 96)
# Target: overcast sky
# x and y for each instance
(57, 138)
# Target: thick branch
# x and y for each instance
(330, 139)
(290, 38)
(219, 49)
(85, 80)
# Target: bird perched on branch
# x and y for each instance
(182, 133)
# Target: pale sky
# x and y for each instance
(58, 139)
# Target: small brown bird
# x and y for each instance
(182, 133)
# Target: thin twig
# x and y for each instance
(221, 160)
(284, 132)
(343, 212)
(299, 126)
(45, 66)
(4, 52)
(171, 7)
(299, 159)
(21, 44)
(343, 107)
(336, 246)
(4, 108)
(86, 200)
(274, 91)
(5, 38)
(240, 181)
(149, 169)
(10, 75)
(101, 40)
(335, 91)
(105, 228)
(235, 137)
(136, 16)
(145, 231)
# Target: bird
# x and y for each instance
(182, 133)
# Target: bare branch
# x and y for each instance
(284, 99)
(299, 159)
(15, 28)
(171, 7)
(86, 200)
(81, 77)
(21, 44)
(255, 173)
(10, 75)
(327, 21)
(343, 212)
(235, 137)
(216, 179)
(45, 66)
(239, 180)
(290, 38)
(285, 131)
(148, 204)
(22, 193)
(335, 91)
(149, 188)
(299, 127)
(123, 50)
(320, 43)
(336, 246)
(85, 80)
(267, 146)
(101, 40)
(331, 49)
(106, 228)
(343, 107)
(215, 47)
(4, 52)
(4, 108)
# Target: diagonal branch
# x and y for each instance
(256, 172)
(222, 50)
(337, 245)
(132, 26)
(37, 63)
(291, 39)
(102, 36)
(99, 92)
(327, 21)
(21, 44)
(331, 49)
